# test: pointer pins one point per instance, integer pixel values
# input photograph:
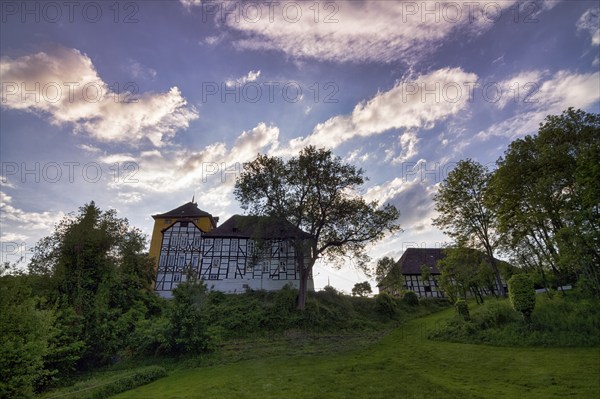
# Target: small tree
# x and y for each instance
(464, 213)
(522, 295)
(410, 298)
(362, 289)
(189, 328)
(389, 276)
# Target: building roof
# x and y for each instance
(413, 258)
(257, 227)
(188, 210)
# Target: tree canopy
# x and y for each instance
(464, 213)
(547, 194)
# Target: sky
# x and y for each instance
(142, 105)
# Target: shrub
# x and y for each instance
(462, 308)
(385, 305)
(522, 295)
(410, 298)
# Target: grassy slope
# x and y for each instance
(404, 364)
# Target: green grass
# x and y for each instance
(404, 364)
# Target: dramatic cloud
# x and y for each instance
(64, 85)
(413, 198)
(411, 104)
(552, 94)
(176, 169)
(352, 31)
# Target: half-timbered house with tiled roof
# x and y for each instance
(244, 253)
(412, 264)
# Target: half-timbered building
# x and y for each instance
(244, 253)
(412, 264)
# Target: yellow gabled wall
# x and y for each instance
(160, 223)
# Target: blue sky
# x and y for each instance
(139, 105)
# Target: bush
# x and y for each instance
(410, 298)
(386, 305)
(462, 308)
(563, 321)
(522, 295)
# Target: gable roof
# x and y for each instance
(257, 227)
(413, 258)
(188, 210)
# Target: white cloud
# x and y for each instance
(66, 88)
(590, 22)
(190, 3)
(215, 165)
(556, 93)
(411, 104)
(408, 147)
(17, 219)
(250, 77)
(13, 237)
(129, 198)
(140, 71)
(412, 197)
(372, 30)
(517, 88)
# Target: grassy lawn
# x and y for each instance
(404, 364)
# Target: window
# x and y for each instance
(250, 247)
(215, 263)
(184, 224)
(265, 267)
(282, 267)
(218, 244)
(427, 288)
(176, 278)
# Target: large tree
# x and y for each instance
(547, 194)
(318, 193)
(94, 264)
(464, 214)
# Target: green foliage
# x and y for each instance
(93, 266)
(462, 308)
(389, 276)
(313, 191)
(386, 305)
(188, 319)
(438, 370)
(465, 213)
(561, 321)
(547, 193)
(362, 289)
(410, 298)
(522, 294)
(25, 335)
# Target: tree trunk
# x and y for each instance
(497, 274)
(302, 293)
